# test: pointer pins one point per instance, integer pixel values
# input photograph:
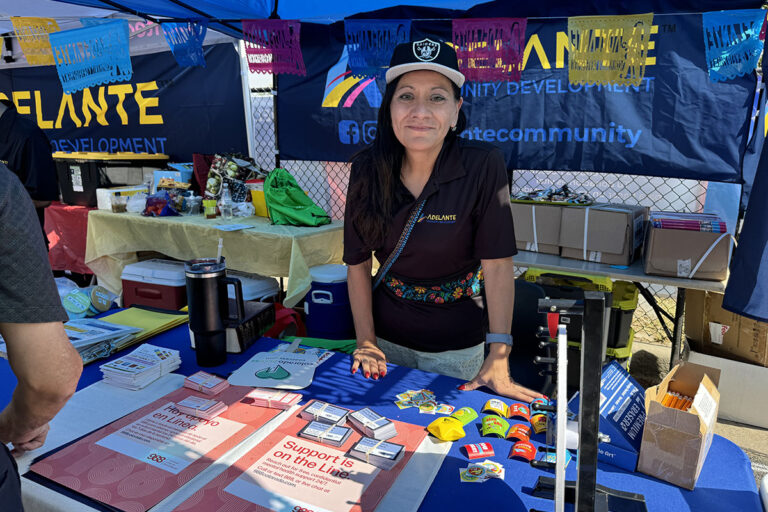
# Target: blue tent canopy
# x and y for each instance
(331, 11)
(747, 292)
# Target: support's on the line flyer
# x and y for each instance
(285, 472)
(139, 460)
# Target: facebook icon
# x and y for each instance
(349, 132)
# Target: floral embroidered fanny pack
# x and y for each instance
(465, 286)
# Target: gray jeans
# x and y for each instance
(462, 364)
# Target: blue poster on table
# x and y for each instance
(672, 124)
(164, 108)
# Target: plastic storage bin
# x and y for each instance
(622, 310)
(155, 283)
(80, 174)
(326, 305)
(255, 287)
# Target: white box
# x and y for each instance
(104, 195)
(742, 387)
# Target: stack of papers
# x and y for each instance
(92, 338)
(148, 323)
(324, 412)
(206, 383)
(373, 424)
(333, 435)
(381, 454)
(201, 407)
(272, 398)
(141, 367)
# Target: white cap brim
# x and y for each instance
(452, 75)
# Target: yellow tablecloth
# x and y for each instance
(280, 251)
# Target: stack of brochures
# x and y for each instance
(373, 424)
(381, 454)
(201, 407)
(318, 410)
(92, 338)
(206, 383)
(272, 398)
(141, 367)
(333, 435)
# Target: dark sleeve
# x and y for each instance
(495, 233)
(41, 182)
(355, 251)
(28, 292)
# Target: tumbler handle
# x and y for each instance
(240, 312)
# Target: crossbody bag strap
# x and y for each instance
(415, 213)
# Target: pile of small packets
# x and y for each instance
(479, 472)
(424, 399)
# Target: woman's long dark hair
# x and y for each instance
(374, 189)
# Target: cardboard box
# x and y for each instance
(741, 386)
(540, 220)
(675, 442)
(622, 416)
(613, 233)
(714, 331)
(676, 252)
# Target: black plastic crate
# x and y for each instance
(79, 179)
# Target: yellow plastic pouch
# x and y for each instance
(446, 428)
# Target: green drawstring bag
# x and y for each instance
(288, 204)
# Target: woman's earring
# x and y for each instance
(453, 128)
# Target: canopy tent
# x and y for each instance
(231, 11)
(746, 293)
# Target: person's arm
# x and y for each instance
(499, 277)
(41, 204)
(368, 356)
(47, 367)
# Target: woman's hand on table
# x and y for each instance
(494, 374)
(370, 360)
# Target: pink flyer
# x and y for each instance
(286, 472)
(137, 461)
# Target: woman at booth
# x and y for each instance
(434, 210)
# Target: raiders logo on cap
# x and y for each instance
(426, 54)
(426, 50)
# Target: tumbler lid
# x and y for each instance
(202, 267)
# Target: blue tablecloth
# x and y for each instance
(726, 483)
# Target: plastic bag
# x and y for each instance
(287, 203)
(137, 202)
(159, 205)
(243, 210)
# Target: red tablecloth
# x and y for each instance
(66, 227)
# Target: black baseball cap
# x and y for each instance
(425, 54)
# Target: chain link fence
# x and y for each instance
(326, 183)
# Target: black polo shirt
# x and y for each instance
(26, 151)
(467, 217)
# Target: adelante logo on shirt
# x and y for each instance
(438, 218)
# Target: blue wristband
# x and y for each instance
(498, 338)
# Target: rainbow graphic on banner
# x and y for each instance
(342, 89)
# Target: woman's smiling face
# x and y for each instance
(423, 109)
